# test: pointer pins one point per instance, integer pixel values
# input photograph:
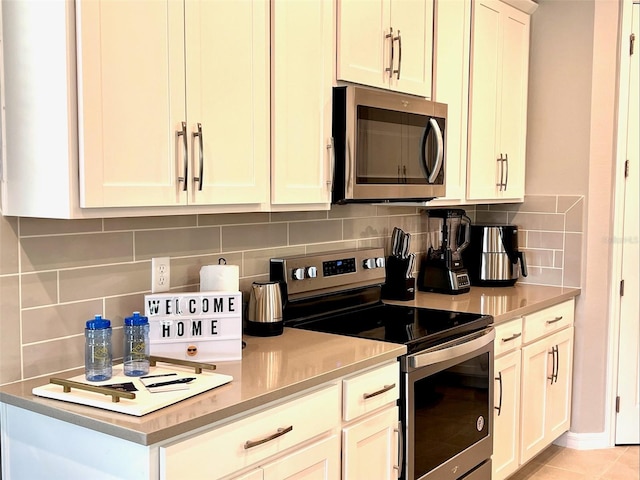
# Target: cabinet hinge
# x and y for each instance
(626, 168)
(632, 42)
(618, 404)
(622, 288)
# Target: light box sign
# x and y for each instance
(200, 326)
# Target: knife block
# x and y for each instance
(397, 285)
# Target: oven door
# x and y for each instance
(448, 408)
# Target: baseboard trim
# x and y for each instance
(584, 441)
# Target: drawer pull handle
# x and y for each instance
(382, 390)
(512, 337)
(557, 319)
(280, 432)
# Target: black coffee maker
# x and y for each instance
(442, 270)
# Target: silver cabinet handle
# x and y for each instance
(512, 337)
(557, 364)
(183, 133)
(506, 171)
(332, 150)
(386, 388)
(499, 407)
(280, 432)
(200, 178)
(399, 39)
(556, 319)
(554, 369)
(400, 450)
(502, 186)
(390, 67)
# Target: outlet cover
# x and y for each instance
(160, 274)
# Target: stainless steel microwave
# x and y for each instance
(388, 147)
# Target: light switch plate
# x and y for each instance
(160, 274)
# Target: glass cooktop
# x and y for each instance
(417, 328)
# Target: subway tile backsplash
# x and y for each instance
(56, 274)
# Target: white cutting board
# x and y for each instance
(145, 401)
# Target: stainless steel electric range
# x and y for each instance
(446, 399)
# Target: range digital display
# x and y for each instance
(338, 267)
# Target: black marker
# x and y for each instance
(171, 382)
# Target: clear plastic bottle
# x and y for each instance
(136, 345)
(98, 355)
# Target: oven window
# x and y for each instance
(451, 412)
(389, 147)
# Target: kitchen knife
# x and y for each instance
(406, 243)
(410, 263)
(395, 241)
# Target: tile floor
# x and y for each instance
(558, 463)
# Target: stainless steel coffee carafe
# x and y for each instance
(493, 258)
(264, 315)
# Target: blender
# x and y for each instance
(442, 270)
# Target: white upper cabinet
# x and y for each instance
(227, 98)
(131, 83)
(497, 101)
(302, 66)
(173, 102)
(137, 107)
(386, 44)
(452, 33)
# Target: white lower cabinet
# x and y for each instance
(532, 391)
(370, 447)
(237, 445)
(546, 391)
(318, 461)
(370, 432)
(506, 415)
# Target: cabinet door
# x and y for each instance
(546, 391)
(451, 86)
(370, 447)
(485, 85)
(559, 393)
(302, 70)
(498, 101)
(130, 102)
(513, 109)
(506, 415)
(319, 461)
(363, 52)
(227, 95)
(412, 22)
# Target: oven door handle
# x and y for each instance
(454, 348)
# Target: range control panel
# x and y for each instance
(319, 271)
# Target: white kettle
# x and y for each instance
(264, 315)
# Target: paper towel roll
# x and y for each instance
(220, 278)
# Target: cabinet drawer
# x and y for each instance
(508, 336)
(370, 390)
(236, 445)
(548, 320)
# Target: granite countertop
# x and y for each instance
(271, 369)
(504, 303)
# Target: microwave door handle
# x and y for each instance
(433, 123)
(348, 158)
